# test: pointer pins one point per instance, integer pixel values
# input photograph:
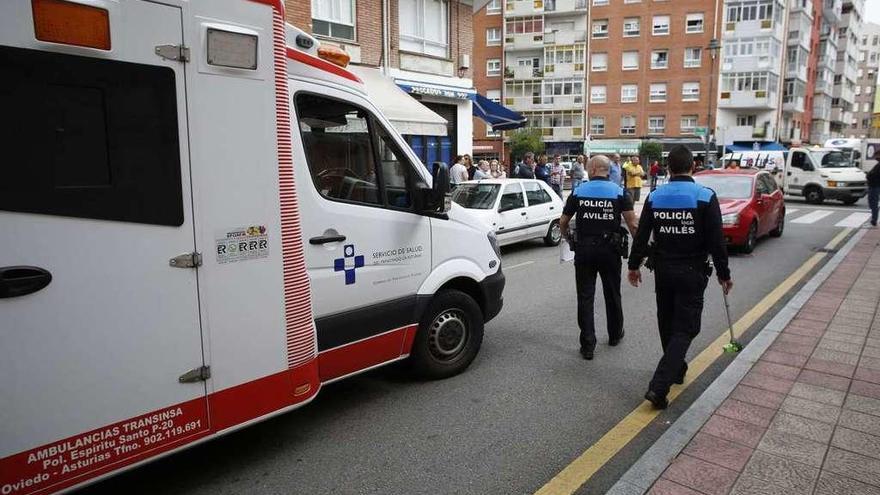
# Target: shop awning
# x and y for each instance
(406, 114)
(499, 117)
(761, 146)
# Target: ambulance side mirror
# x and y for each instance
(437, 199)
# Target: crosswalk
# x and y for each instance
(817, 217)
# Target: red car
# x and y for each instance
(752, 204)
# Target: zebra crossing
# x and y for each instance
(816, 217)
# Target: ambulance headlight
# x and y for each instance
(730, 219)
(493, 241)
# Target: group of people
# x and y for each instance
(464, 170)
(684, 220)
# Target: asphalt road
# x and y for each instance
(524, 410)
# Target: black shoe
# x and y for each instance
(616, 340)
(587, 354)
(657, 401)
(680, 379)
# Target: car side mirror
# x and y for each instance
(437, 198)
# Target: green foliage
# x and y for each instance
(525, 140)
(650, 151)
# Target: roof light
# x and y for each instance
(334, 55)
(59, 21)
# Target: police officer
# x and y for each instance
(597, 206)
(685, 220)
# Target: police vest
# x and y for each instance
(599, 206)
(678, 209)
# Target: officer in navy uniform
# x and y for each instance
(597, 206)
(685, 220)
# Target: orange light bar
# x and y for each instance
(334, 55)
(58, 21)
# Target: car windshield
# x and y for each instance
(832, 159)
(476, 196)
(727, 187)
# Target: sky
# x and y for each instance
(872, 11)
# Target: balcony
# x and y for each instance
(523, 41)
(822, 109)
(845, 94)
(754, 29)
(800, 29)
(546, 102)
(793, 104)
(760, 99)
(797, 70)
(824, 87)
(523, 73)
(565, 37)
(832, 10)
(564, 133)
(517, 8)
(564, 70)
(564, 6)
(751, 64)
(840, 116)
(850, 72)
(802, 6)
(748, 133)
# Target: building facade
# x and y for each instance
(866, 84)
(827, 16)
(488, 70)
(846, 71)
(424, 46)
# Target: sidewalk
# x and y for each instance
(805, 418)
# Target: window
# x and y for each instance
(629, 93)
(838, 79)
(690, 91)
(512, 198)
(600, 28)
(628, 124)
(597, 125)
(564, 54)
(333, 18)
(598, 94)
(599, 62)
(692, 57)
(746, 120)
(493, 36)
(630, 60)
(658, 93)
(493, 67)
(694, 23)
(339, 150)
(572, 88)
(749, 81)
(69, 160)
(397, 174)
(525, 25)
(536, 194)
(688, 124)
(660, 25)
(631, 26)
(656, 125)
(875, 40)
(493, 7)
(424, 26)
(494, 95)
(660, 59)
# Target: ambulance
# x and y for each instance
(203, 220)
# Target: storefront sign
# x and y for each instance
(443, 92)
(609, 146)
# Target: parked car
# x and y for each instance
(515, 209)
(752, 204)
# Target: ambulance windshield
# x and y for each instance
(832, 159)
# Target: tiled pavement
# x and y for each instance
(806, 418)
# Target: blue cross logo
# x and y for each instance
(349, 263)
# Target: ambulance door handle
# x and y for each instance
(324, 239)
(22, 280)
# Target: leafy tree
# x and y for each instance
(525, 140)
(650, 151)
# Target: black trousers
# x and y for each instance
(679, 290)
(594, 259)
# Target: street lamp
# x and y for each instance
(714, 46)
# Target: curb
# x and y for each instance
(639, 478)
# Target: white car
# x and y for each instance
(515, 209)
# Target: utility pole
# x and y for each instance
(714, 46)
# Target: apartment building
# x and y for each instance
(827, 16)
(488, 23)
(866, 83)
(418, 47)
(800, 70)
(650, 73)
(846, 70)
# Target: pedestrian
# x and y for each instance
(469, 164)
(495, 170)
(654, 172)
(482, 171)
(578, 173)
(632, 175)
(540, 170)
(557, 175)
(597, 207)
(458, 173)
(615, 173)
(526, 169)
(685, 221)
(874, 188)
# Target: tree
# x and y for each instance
(525, 140)
(650, 151)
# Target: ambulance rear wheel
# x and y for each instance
(554, 234)
(449, 335)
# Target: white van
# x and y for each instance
(860, 151)
(818, 174)
(204, 219)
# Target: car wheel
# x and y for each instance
(814, 195)
(850, 201)
(554, 234)
(751, 239)
(449, 336)
(777, 232)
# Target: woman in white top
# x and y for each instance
(458, 172)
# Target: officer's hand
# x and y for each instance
(635, 277)
(726, 285)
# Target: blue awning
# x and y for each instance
(750, 146)
(499, 117)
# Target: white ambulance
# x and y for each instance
(203, 219)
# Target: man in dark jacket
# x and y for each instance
(874, 188)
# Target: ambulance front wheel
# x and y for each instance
(449, 335)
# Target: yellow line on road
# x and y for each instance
(587, 464)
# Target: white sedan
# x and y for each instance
(516, 209)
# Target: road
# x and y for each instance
(523, 411)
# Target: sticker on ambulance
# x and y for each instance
(242, 244)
